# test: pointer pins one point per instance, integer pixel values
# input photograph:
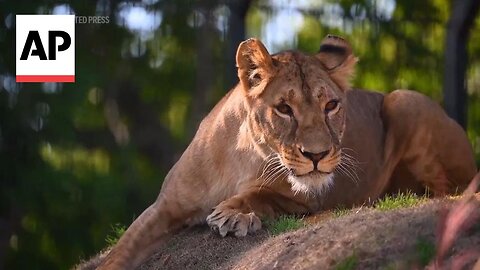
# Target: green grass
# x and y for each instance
(348, 263)
(400, 200)
(117, 232)
(284, 224)
(425, 251)
(340, 211)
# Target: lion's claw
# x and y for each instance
(224, 221)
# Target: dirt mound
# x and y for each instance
(370, 239)
(364, 239)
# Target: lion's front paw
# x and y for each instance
(230, 220)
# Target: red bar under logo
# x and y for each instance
(45, 78)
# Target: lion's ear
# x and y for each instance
(255, 65)
(336, 56)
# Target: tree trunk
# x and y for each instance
(458, 28)
(204, 81)
(235, 35)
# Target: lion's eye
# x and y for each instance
(284, 109)
(331, 105)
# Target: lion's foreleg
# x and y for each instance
(147, 233)
(183, 200)
(241, 214)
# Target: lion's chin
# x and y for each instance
(313, 182)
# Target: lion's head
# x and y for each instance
(296, 107)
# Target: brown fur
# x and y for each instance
(254, 157)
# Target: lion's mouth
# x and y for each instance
(313, 173)
(314, 181)
(303, 168)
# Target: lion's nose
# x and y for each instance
(315, 157)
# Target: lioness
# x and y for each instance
(293, 138)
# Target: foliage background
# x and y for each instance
(77, 158)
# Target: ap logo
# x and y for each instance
(45, 48)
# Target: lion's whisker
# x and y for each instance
(280, 174)
(268, 162)
(271, 168)
(348, 167)
(277, 172)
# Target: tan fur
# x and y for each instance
(251, 158)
